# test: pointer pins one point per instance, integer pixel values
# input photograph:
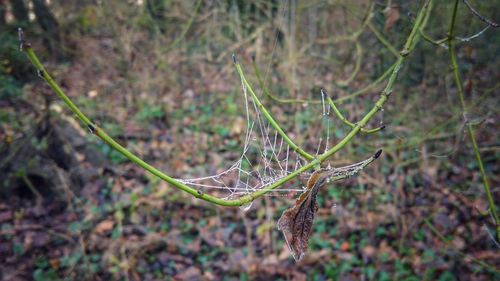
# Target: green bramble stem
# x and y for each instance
(314, 162)
(344, 120)
(470, 130)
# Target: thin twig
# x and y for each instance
(470, 130)
(357, 67)
(345, 120)
(186, 28)
(479, 16)
(440, 42)
(382, 40)
(474, 36)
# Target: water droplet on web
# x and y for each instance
(246, 207)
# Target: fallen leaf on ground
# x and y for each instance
(192, 273)
(104, 226)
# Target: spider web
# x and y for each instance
(265, 156)
(264, 159)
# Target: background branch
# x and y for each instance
(470, 129)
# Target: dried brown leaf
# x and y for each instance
(296, 222)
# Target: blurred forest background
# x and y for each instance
(158, 76)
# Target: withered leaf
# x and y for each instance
(104, 226)
(296, 222)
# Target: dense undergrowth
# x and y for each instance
(159, 78)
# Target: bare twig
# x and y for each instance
(479, 16)
(345, 120)
(468, 38)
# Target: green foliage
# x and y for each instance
(148, 113)
(44, 272)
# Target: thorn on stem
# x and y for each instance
(323, 92)
(40, 73)
(91, 128)
(22, 40)
(387, 93)
(234, 59)
(377, 154)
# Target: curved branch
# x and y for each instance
(382, 40)
(440, 42)
(370, 86)
(357, 66)
(479, 16)
(345, 120)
